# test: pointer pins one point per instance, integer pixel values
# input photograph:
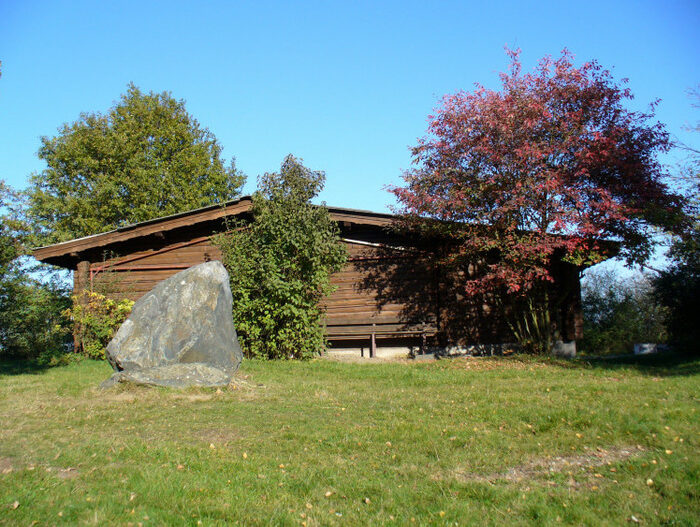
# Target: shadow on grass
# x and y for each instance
(672, 364)
(21, 367)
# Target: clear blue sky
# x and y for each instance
(347, 86)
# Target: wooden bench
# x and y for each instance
(374, 331)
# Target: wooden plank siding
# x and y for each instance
(352, 312)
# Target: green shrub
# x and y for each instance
(620, 312)
(678, 289)
(280, 265)
(32, 324)
(96, 319)
(32, 321)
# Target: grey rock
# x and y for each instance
(184, 320)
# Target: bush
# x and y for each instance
(32, 321)
(280, 265)
(620, 312)
(96, 319)
(678, 289)
(32, 326)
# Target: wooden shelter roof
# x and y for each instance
(69, 253)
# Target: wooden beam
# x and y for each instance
(161, 225)
(139, 230)
(81, 278)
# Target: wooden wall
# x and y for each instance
(135, 274)
(352, 310)
(359, 306)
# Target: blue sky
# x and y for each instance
(347, 86)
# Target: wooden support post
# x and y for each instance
(422, 342)
(373, 344)
(81, 278)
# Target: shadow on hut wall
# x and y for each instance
(430, 291)
(429, 286)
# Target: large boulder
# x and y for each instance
(180, 333)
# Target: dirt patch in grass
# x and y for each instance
(124, 393)
(217, 436)
(496, 363)
(542, 467)
(121, 397)
(193, 397)
(66, 473)
(458, 362)
(6, 465)
(129, 393)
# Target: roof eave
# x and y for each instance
(67, 254)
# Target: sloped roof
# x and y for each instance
(59, 253)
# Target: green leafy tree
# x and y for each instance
(280, 265)
(32, 320)
(10, 244)
(146, 158)
(551, 166)
(32, 324)
(678, 286)
(617, 313)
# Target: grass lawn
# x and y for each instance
(465, 441)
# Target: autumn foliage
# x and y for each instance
(551, 165)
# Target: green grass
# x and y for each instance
(464, 441)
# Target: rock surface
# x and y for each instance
(180, 333)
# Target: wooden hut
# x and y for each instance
(387, 294)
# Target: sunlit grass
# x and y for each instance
(487, 441)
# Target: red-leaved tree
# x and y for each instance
(552, 165)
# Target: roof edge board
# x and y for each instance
(167, 223)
